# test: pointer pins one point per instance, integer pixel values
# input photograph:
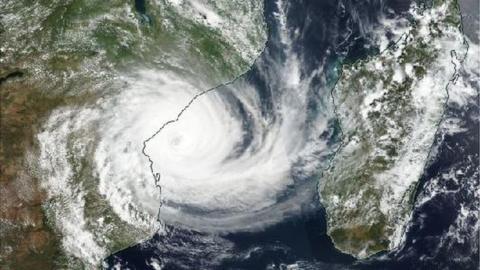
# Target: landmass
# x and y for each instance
(389, 107)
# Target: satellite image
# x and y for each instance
(239, 134)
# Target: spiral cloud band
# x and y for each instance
(228, 159)
(240, 156)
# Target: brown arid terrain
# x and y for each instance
(27, 241)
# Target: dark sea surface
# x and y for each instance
(140, 6)
(332, 31)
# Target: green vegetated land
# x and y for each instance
(367, 204)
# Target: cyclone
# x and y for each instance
(222, 162)
(168, 148)
(232, 157)
(239, 156)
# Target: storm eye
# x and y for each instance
(176, 140)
